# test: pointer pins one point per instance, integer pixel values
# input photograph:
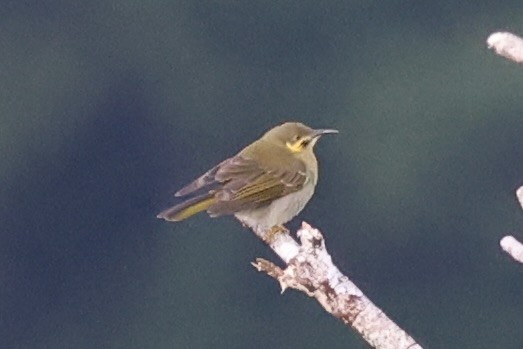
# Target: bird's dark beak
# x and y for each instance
(322, 131)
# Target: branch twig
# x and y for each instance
(507, 45)
(509, 243)
(310, 269)
(513, 247)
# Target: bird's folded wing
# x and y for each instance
(206, 180)
(247, 184)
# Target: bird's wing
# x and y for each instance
(205, 180)
(246, 184)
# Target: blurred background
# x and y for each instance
(108, 107)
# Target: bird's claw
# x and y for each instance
(271, 234)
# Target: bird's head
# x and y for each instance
(295, 137)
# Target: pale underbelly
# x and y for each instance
(280, 211)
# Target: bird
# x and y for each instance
(264, 186)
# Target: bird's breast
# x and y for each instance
(279, 211)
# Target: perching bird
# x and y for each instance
(264, 186)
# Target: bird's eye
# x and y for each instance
(296, 138)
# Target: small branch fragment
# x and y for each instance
(507, 45)
(267, 267)
(513, 247)
(510, 244)
(272, 270)
(519, 194)
(310, 270)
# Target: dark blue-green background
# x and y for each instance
(108, 107)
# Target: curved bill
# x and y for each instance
(323, 131)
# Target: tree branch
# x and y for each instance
(310, 270)
(507, 45)
(513, 247)
(509, 243)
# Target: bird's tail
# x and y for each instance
(188, 208)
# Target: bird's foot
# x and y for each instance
(271, 234)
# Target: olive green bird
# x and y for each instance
(264, 186)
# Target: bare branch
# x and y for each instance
(310, 270)
(519, 195)
(507, 45)
(513, 247)
(510, 244)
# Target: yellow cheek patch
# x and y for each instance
(295, 147)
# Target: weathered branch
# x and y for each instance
(507, 45)
(509, 243)
(310, 269)
(513, 247)
(519, 195)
